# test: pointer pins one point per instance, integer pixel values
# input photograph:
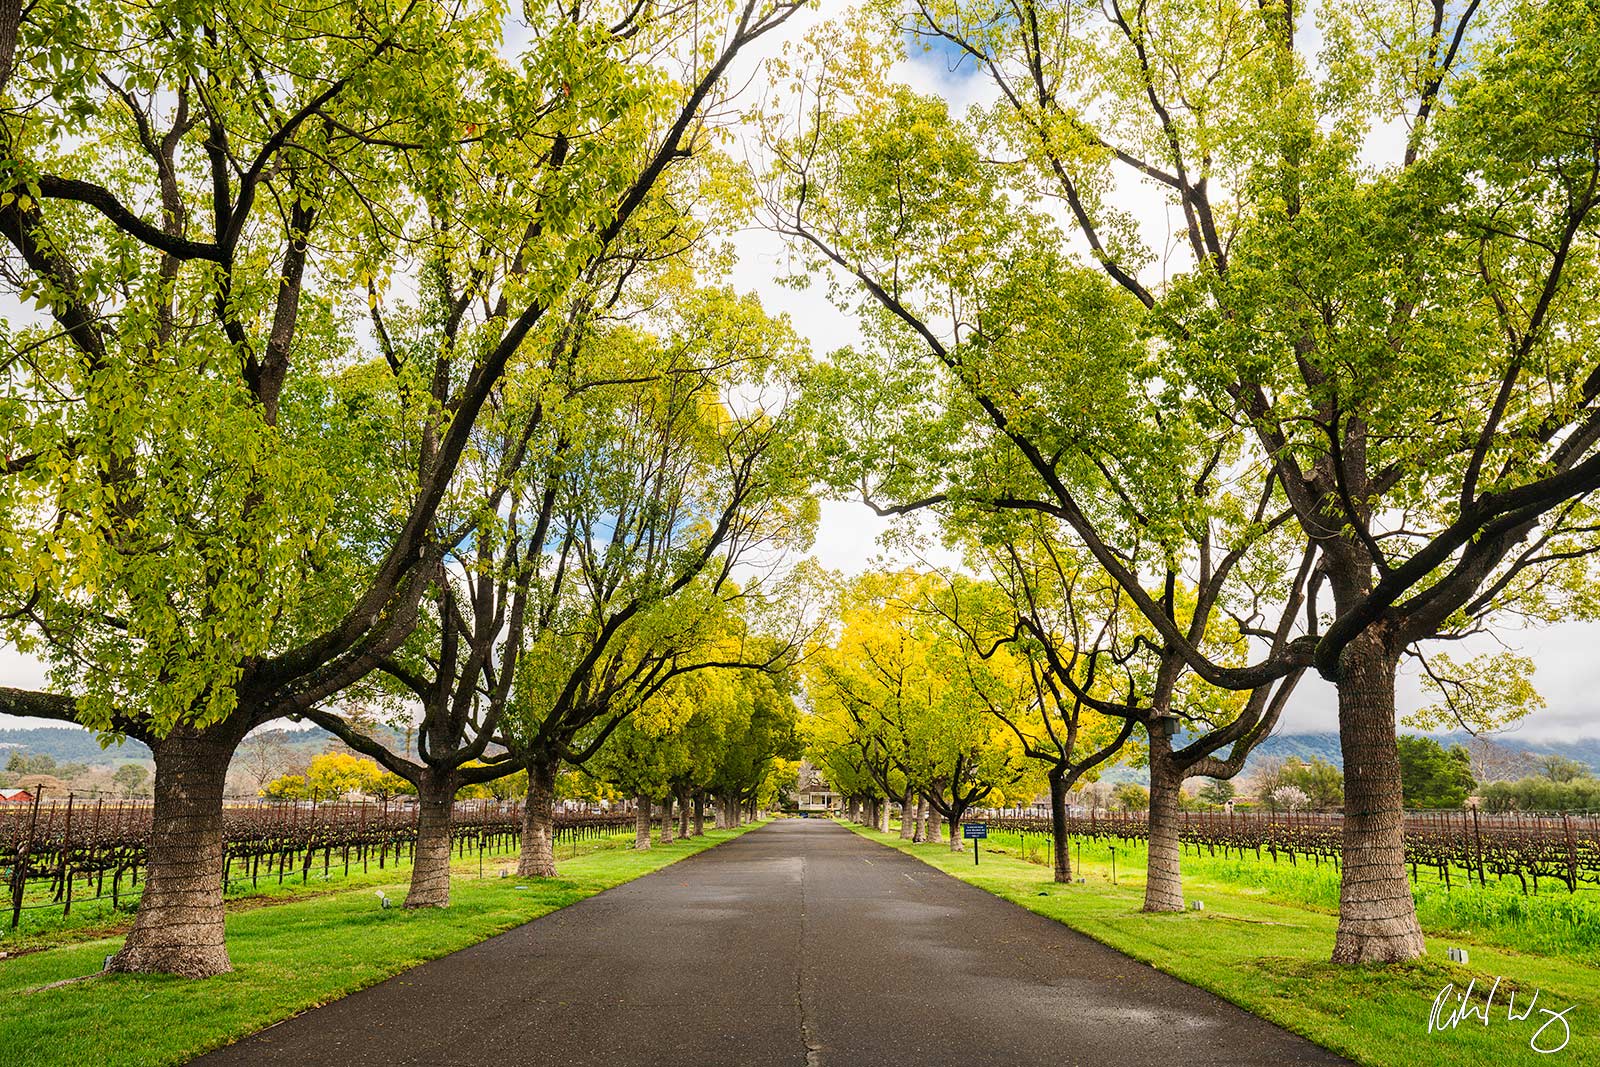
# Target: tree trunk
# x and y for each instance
(1377, 917)
(430, 871)
(920, 833)
(683, 813)
(538, 859)
(1061, 858)
(908, 816)
(666, 820)
(956, 844)
(699, 812)
(1163, 887)
(935, 822)
(883, 814)
(179, 926)
(641, 822)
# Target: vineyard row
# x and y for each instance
(96, 850)
(1563, 848)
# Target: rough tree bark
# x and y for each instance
(683, 813)
(1163, 890)
(920, 833)
(699, 812)
(1061, 858)
(538, 859)
(641, 822)
(882, 821)
(666, 820)
(956, 843)
(179, 926)
(430, 871)
(935, 821)
(908, 815)
(1377, 916)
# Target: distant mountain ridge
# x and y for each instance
(1325, 746)
(73, 744)
(69, 744)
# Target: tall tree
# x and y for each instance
(1433, 776)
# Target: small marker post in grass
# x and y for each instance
(974, 831)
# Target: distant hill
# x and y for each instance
(73, 744)
(1325, 746)
(69, 744)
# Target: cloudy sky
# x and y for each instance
(1568, 656)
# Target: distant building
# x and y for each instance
(15, 796)
(814, 794)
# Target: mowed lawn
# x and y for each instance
(286, 958)
(1272, 959)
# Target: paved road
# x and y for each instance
(798, 944)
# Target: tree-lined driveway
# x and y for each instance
(797, 944)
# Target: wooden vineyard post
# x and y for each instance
(1572, 854)
(311, 841)
(1477, 843)
(66, 860)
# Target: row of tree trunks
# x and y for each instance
(728, 811)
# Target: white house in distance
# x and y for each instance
(814, 795)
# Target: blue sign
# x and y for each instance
(974, 830)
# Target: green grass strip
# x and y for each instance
(1270, 958)
(287, 958)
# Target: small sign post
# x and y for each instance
(974, 831)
